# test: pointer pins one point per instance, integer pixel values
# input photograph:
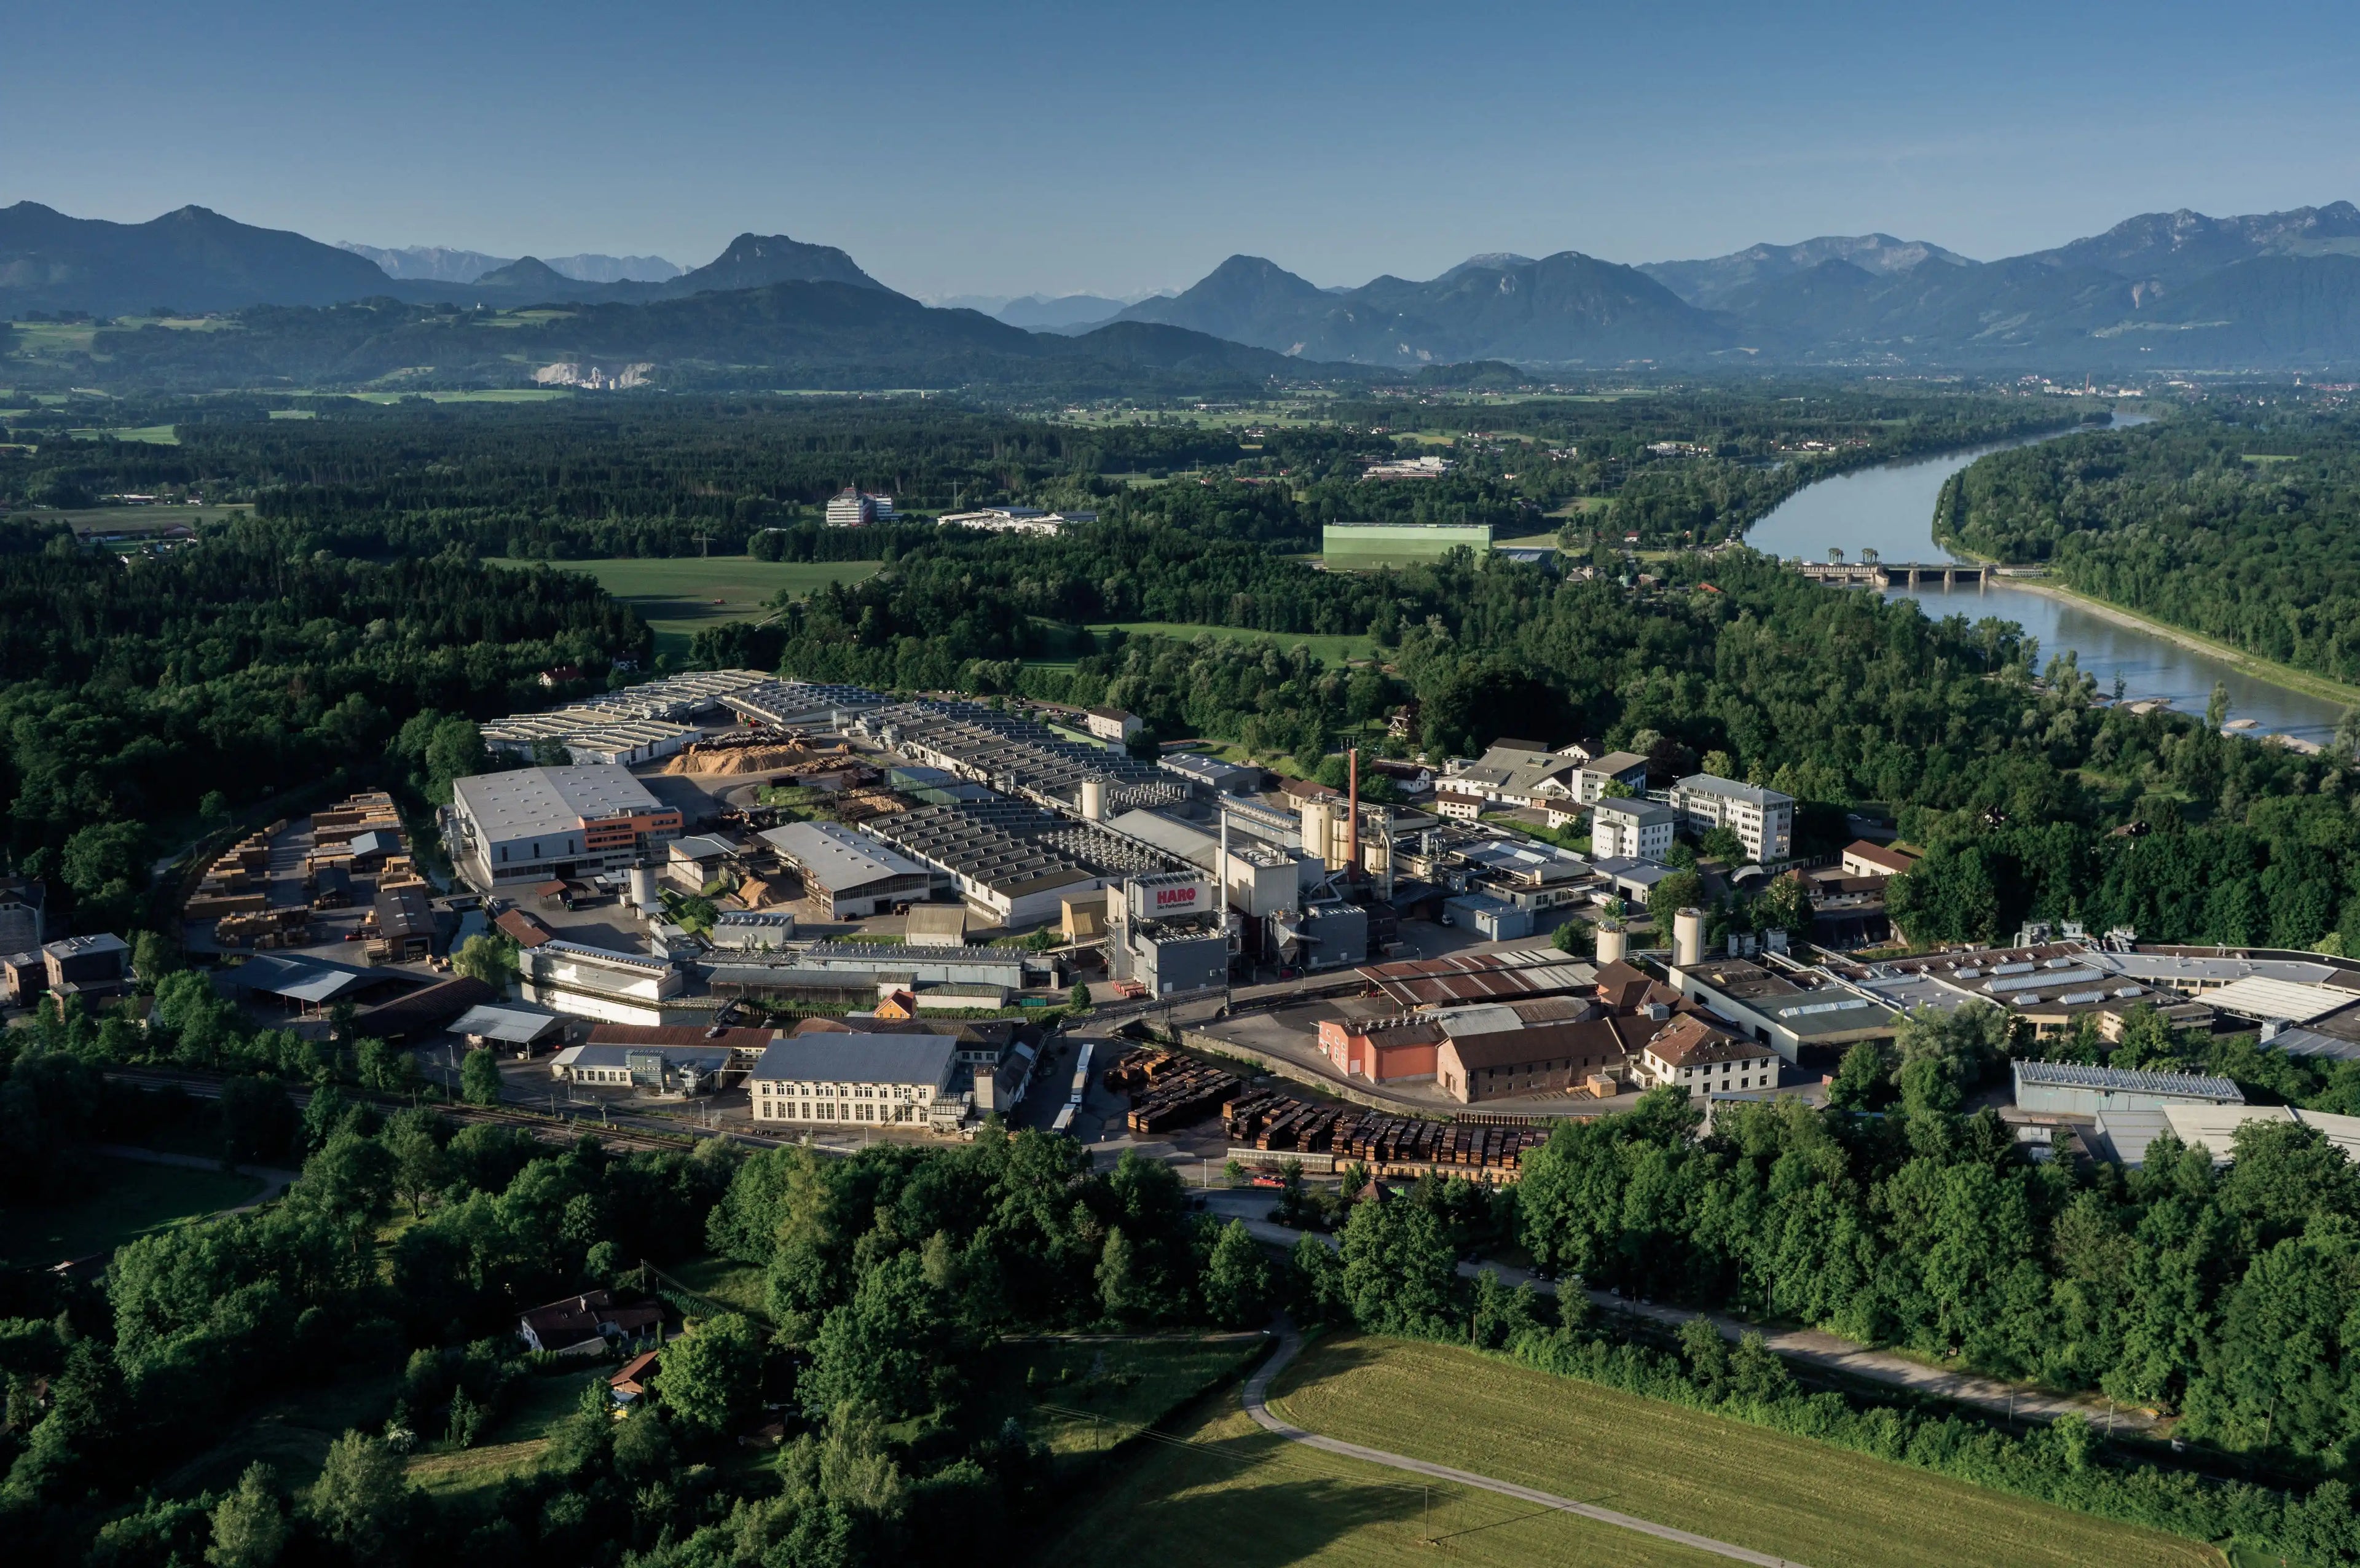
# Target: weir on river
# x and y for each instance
(1893, 574)
(1890, 510)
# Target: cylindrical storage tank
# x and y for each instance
(1613, 944)
(1094, 799)
(1688, 938)
(643, 889)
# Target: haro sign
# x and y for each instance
(1167, 896)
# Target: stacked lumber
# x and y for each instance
(1180, 1095)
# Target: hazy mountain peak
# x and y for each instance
(754, 261)
(1710, 283)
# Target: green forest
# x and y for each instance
(2235, 520)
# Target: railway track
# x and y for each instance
(549, 1130)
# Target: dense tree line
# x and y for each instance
(890, 1275)
(2221, 1295)
(133, 687)
(2235, 520)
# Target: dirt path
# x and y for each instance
(1290, 1342)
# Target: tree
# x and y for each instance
(1722, 844)
(361, 1495)
(1237, 1278)
(1570, 936)
(419, 1166)
(1681, 890)
(1079, 997)
(479, 1078)
(711, 1380)
(250, 1526)
(1121, 1292)
(488, 956)
(258, 1120)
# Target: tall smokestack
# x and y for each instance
(1352, 841)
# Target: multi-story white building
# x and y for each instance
(1630, 830)
(853, 507)
(1762, 819)
(872, 1078)
(1111, 724)
(541, 824)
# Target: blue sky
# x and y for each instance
(975, 148)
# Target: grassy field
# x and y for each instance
(153, 435)
(123, 1199)
(679, 596)
(141, 520)
(290, 1434)
(1081, 1395)
(513, 1447)
(738, 1285)
(1736, 1483)
(482, 395)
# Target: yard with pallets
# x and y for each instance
(679, 596)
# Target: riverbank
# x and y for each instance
(2260, 669)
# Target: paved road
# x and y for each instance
(1810, 1347)
(1290, 1342)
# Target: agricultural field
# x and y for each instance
(140, 519)
(1736, 1483)
(480, 394)
(153, 435)
(679, 597)
(121, 1199)
(1368, 546)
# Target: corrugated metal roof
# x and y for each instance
(2115, 1079)
(2256, 997)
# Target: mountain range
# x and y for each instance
(441, 264)
(2177, 290)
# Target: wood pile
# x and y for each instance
(1168, 1091)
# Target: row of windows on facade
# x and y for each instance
(830, 1111)
(849, 1091)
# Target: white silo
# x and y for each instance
(1688, 938)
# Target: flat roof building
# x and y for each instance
(1762, 819)
(2072, 1088)
(1631, 830)
(540, 825)
(849, 873)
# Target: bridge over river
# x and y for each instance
(1883, 574)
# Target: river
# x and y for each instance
(1890, 509)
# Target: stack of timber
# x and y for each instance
(1169, 1091)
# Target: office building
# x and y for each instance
(851, 507)
(1630, 830)
(872, 1079)
(1762, 819)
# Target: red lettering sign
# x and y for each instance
(1167, 896)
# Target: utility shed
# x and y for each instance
(2069, 1088)
(405, 922)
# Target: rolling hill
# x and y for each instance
(1567, 307)
(191, 260)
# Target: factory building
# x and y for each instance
(1016, 865)
(597, 982)
(1168, 935)
(538, 824)
(849, 873)
(890, 1079)
(1017, 757)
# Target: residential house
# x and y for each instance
(582, 1325)
(631, 1381)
